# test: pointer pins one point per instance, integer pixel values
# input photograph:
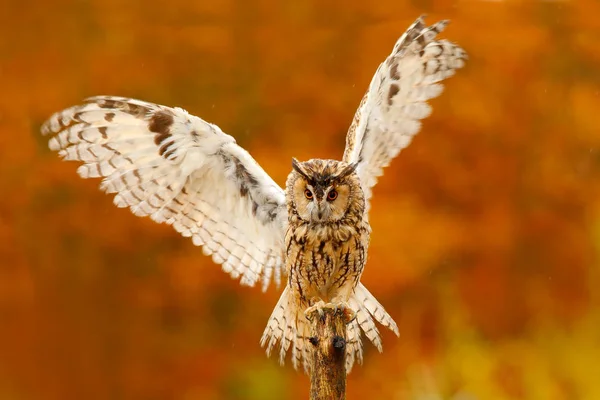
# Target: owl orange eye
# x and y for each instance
(308, 194)
(332, 195)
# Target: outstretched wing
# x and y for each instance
(390, 112)
(178, 169)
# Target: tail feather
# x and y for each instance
(366, 323)
(286, 341)
(279, 325)
(301, 351)
(288, 327)
(354, 352)
(374, 308)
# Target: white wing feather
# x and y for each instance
(178, 169)
(390, 112)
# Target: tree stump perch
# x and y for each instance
(328, 363)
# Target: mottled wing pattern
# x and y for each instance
(176, 168)
(390, 112)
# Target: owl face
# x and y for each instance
(324, 191)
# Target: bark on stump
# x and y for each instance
(328, 364)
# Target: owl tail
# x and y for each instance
(288, 326)
(368, 310)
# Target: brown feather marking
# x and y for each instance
(108, 103)
(135, 110)
(394, 89)
(160, 123)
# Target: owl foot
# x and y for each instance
(344, 308)
(318, 307)
(339, 307)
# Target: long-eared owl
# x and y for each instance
(178, 169)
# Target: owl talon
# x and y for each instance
(344, 309)
(318, 306)
(337, 307)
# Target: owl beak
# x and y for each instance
(320, 211)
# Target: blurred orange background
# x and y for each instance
(486, 230)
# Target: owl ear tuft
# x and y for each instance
(347, 171)
(298, 168)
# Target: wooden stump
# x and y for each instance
(328, 364)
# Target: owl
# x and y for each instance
(180, 170)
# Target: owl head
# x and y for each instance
(324, 191)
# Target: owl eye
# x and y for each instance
(332, 195)
(308, 194)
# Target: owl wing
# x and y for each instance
(178, 169)
(390, 112)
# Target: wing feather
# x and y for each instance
(177, 169)
(390, 112)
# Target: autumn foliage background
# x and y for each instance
(486, 230)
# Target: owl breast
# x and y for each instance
(325, 261)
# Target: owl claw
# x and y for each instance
(337, 307)
(344, 308)
(318, 306)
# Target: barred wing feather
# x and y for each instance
(390, 112)
(176, 168)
